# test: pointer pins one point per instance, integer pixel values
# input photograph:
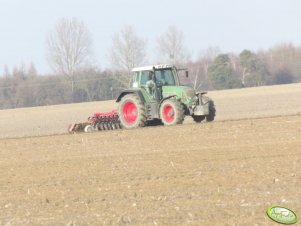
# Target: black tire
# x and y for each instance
(172, 112)
(198, 118)
(212, 111)
(131, 112)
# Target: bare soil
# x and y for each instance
(227, 172)
(230, 104)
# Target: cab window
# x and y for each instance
(135, 77)
(165, 76)
(145, 76)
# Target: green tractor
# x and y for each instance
(156, 95)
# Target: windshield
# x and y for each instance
(165, 76)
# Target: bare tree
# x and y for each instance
(208, 55)
(69, 47)
(199, 69)
(128, 50)
(32, 71)
(6, 72)
(171, 47)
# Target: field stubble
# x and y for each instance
(222, 173)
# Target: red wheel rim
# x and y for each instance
(168, 113)
(129, 112)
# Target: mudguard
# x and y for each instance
(167, 98)
(131, 91)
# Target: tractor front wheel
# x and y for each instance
(171, 112)
(198, 118)
(206, 118)
(131, 112)
(211, 116)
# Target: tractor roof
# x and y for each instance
(150, 68)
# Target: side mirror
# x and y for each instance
(186, 73)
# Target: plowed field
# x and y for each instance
(227, 172)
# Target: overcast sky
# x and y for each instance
(233, 25)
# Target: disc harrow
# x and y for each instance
(98, 122)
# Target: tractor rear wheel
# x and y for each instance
(131, 112)
(171, 112)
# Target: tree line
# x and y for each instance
(278, 65)
(22, 88)
(76, 79)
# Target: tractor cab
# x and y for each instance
(163, 75)
(155, 80)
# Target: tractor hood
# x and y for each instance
(187, 94)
